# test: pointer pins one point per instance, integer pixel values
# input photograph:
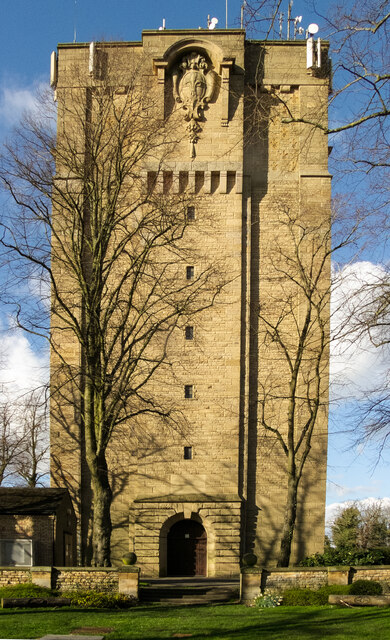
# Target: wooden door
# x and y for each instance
(187, 549)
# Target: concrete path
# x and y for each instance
(70, 637)
(62, 637)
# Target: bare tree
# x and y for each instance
(359, 108)
(11, 443)
(119, 240)
(262, 17)
(359, 101)
(24, 439)
(31, 465)
(294, 324)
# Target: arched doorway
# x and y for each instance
(187, 549)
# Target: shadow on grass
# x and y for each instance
(235, 622)
(298, 623)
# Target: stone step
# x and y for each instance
(187, 595)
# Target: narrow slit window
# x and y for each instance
(187, 453)
(189, 391)
(189, 332)
(190, 214)
(190, 272)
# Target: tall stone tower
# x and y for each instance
(249, 375)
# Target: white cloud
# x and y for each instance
(22, 369)
(357, 366)
(15, 100)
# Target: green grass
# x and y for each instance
(223, 622)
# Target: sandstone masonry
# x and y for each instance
(246, 166)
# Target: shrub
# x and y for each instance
(300, 597)
(311, 597)
(26, 590)
(267, 600)
(347, 557)
(365, 588)
(99, 600)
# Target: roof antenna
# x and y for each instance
(74, 21)
(243, 7)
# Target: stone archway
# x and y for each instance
(187, 549)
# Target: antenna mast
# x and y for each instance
(74, 21)
(226, 14)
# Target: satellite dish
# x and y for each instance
(213, 23)
(313, 28)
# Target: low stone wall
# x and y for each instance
(111, 579)
(380, 573)
(307, 578)
(14, 575)
(256, 579)
(84, 578)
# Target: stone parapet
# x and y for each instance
(339, 575)
(41, 576)
(128, 581)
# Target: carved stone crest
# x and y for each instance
(193, 87)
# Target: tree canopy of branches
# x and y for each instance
(294, 324)
(24, 439)
(113, 254)
(358, 127)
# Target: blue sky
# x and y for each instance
(29, 31)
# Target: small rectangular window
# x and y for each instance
(187, 453)
(190, 214)
(189, 332)
(188, 391)
(190, 273)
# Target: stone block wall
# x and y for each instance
(378, 573)
(80, 578)
(308, 578)
(245, 166)
(220, 518)
(111, 580)
(11, 575)
(256, 579)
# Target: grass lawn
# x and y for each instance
(226, 622)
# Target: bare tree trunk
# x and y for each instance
(290, 515)
(101, 537)
(97, 463)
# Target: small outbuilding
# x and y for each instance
(37, 527)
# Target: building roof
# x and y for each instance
(27, 501)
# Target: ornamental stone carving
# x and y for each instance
(193, 87)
